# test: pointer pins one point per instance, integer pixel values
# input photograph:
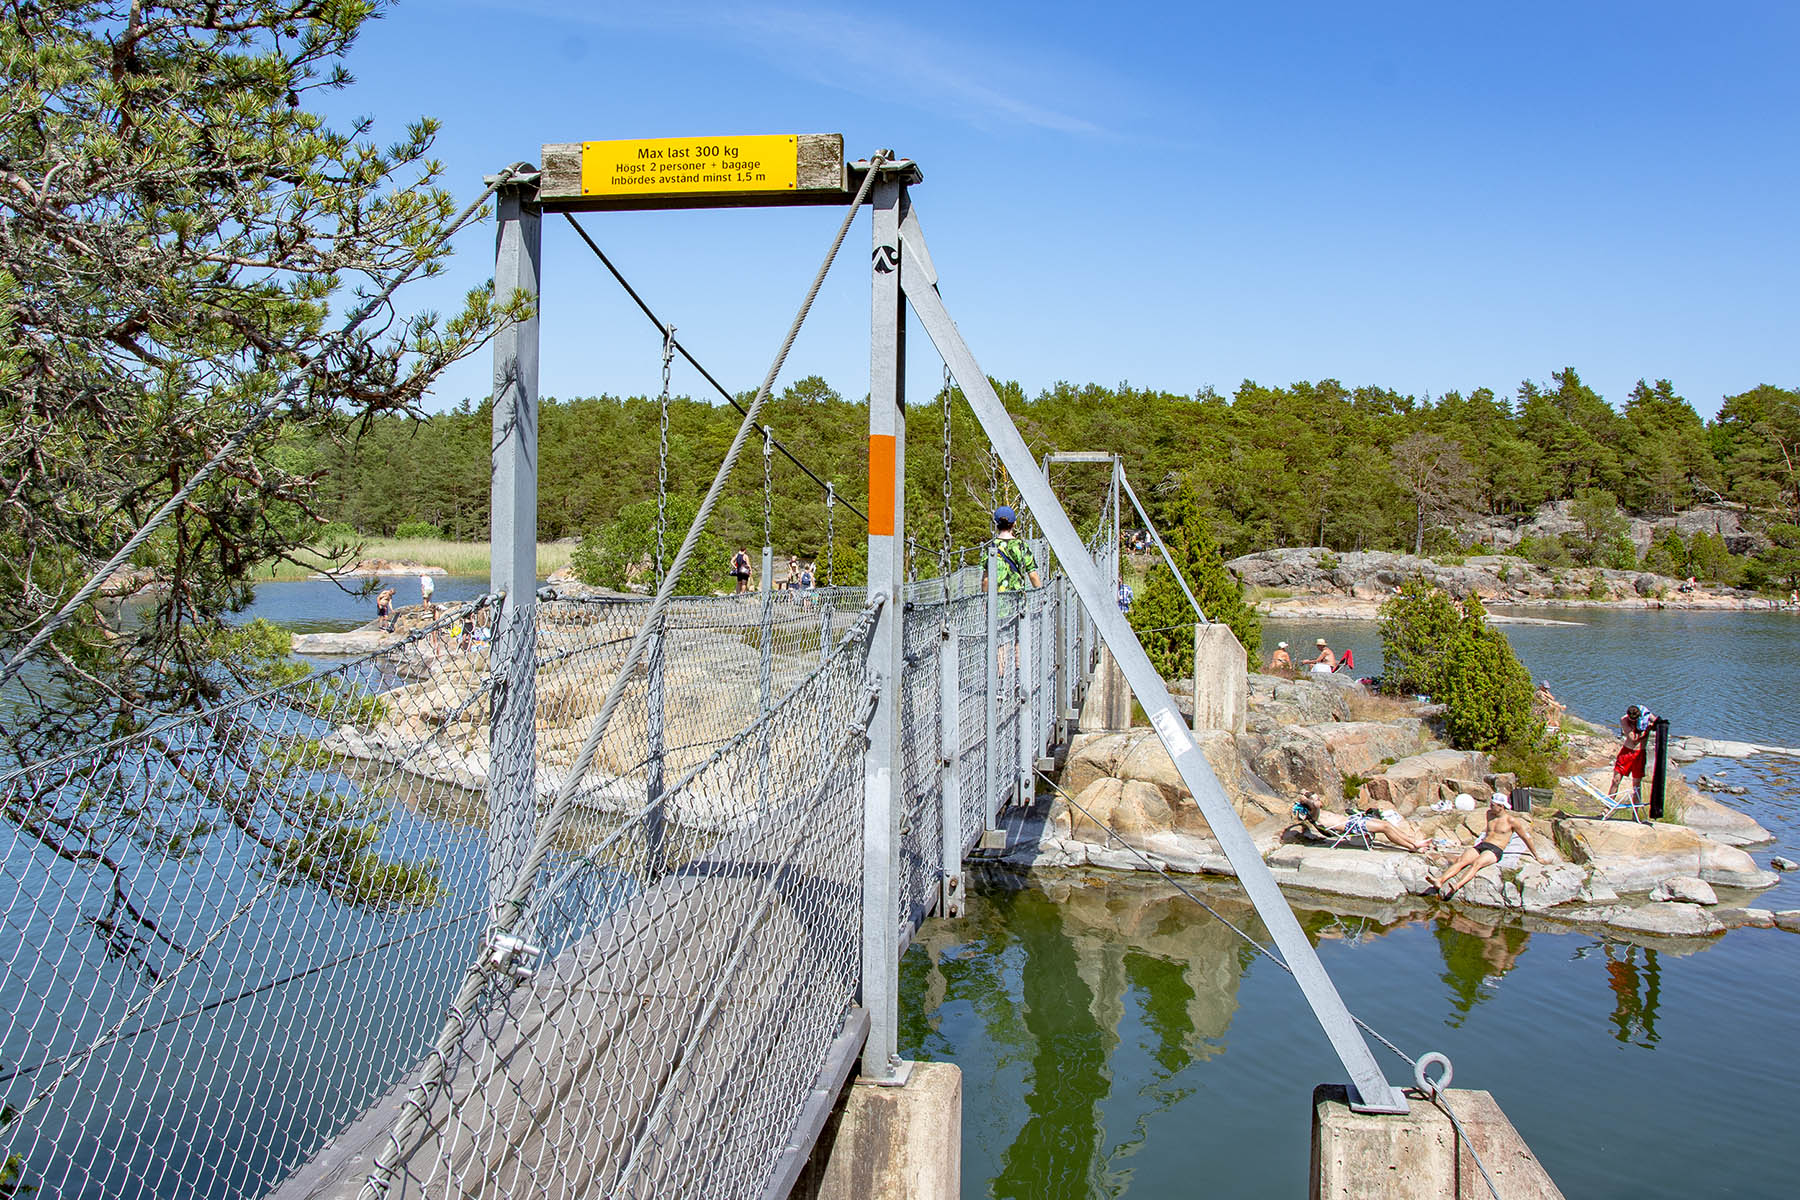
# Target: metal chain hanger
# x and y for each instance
(662, 451)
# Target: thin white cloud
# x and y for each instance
(874, 57)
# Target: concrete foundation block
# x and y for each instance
(892, 1143)
(1221, 680)
(1418, 1155)
(1107, 704)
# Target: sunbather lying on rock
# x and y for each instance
(1311, 811)
(1502, 824)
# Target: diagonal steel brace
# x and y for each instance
(1370, 1090)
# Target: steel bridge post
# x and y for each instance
(1045, 701)
(882, 771)
(990, 775)
(1022, 784)
(1118, 527)
(512, 572)
(1370, 1090)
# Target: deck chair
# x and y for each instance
(1312, 831)
(1612, 803)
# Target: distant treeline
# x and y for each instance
(1307, 464)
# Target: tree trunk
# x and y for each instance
(1419, 534)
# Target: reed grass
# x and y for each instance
(458, 558)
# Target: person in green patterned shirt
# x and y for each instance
(1017, 567)
(1016, 562)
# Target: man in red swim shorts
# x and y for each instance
(1634, 728)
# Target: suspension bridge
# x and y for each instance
(612, 903)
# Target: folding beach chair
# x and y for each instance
(1612, 803)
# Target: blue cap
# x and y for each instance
(1005, 515)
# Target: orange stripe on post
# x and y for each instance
(881, 485)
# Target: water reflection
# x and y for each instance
(1079, 1006)
(1062, 979)
(1636, 992)
(1476, 955)
(1091, 1017)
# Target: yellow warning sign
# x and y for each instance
(763, 163)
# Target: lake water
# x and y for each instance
(1116, 1040)
(318, 606)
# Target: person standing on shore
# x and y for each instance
(384, 609)
(426, 586)
(1634, 729)
(740, 570)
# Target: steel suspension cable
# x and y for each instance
(944, 550)
(682, 350)
(246, 431)
(415, 1109)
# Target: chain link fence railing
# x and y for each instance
(229, 932)
(921, 792)
(232, 934)
(693, 961)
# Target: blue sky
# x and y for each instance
(1421, 196)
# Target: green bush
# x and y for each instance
(1417, 625)
(1444, 548)
(1778, 567)
(418, 529)
(621, 553)
(1597, 589)
(1618, 553)
(1487, 694)
(1530, 765)
(1712, 560)
(1161, 615)
(1667, 555)
(1445, 650)
(1544, 551)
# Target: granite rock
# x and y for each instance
(1685, 889)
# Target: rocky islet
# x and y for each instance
(1121, 804)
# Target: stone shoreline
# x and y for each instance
(1121, 805)
(1327, 607)
(1316, 583)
